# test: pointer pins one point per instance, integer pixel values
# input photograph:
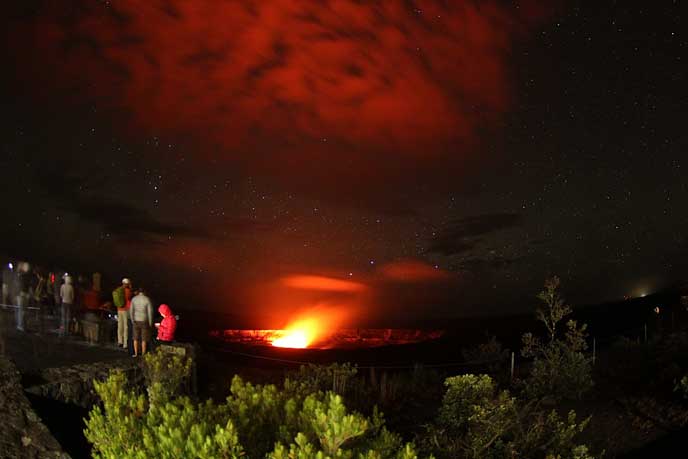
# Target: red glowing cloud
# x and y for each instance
(413, 271)
(300, 79)
(322, 283)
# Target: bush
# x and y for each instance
(477, 420)
(298, 417)
(166, 372)
(555, 308)
(560, 367)
(255, 421)
(409, 395)
(491, 355)
(335, 377)
(127, 425)
(681, 387)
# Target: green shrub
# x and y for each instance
(477, 420)
(335, 377)
(681, 387)
(560, 367)
(255, 421)
(127, 425)
(555, 308)
(491, 356)
(165, 374)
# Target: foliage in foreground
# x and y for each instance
(408, 397)
(255, 421)
(560, 367)
(682, 387)
(165, 372)
(478, 421)
(492, 356)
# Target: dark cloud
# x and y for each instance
(446, 245)
(490, 263)
(467, 233)
(123, 219)
(476, 226)
(82, 196)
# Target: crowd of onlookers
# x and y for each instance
(135, 308)
(69, 297)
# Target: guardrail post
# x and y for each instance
(512, 366)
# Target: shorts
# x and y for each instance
(142, 331)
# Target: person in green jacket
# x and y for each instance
(121, 298)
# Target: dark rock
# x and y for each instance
(22, 434)
(75, 384)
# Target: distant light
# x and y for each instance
(643, 295)
(10, 265)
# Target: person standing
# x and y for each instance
(141, 314)
(50, 293)
(39, 291)
(97, 282)
(57, 285)
(121, 298)
(6, 282)
(67, 300)
(23, 296)
(38, 298)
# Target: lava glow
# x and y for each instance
(294, 339)
(300, 334)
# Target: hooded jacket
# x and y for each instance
(168, 324)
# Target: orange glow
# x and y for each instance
(310, 328)
(299, 334)
(295, 339)
(351, 338)
(322, 283)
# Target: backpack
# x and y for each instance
(118, 297)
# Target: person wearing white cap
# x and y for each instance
(121, 298)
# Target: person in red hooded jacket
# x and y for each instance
(168, 325)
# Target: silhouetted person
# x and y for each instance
(141, 313)
(50, 286)
(38, 297)
(23, 296)
(7, 274)
(121, 297)
(657, 313)
(39, 291)
(57, 285)
(67, 300)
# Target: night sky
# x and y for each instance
(419, 158)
